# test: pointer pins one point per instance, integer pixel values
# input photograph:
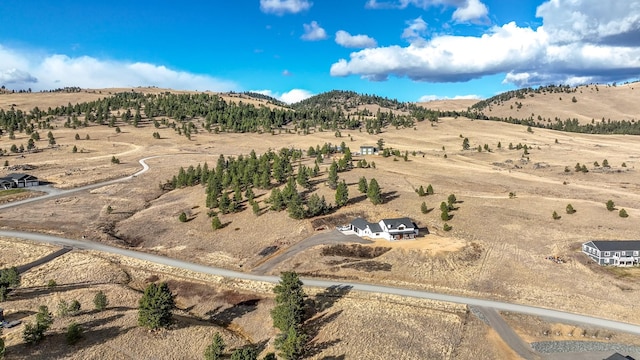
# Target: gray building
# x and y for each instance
(613, 252)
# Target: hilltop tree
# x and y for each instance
(373, 192)
(155, 306)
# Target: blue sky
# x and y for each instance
(292, 49)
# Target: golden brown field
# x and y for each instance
(497, 248)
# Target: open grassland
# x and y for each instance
(496, 249)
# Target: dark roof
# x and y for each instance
(367, 146)
(395, 223)
(18, 176)
(614, 245)
(361, 223)
(618, 356)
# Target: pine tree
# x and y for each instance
(333, 175)
(155, 306)
(100, 301)
(289, 309)
(362, 185)
(610, 205)
(215, 223)
(421, 191)
(373, 192)
(423, 208)
(623, 213)
(342, 194)
(429, 190)
(555, 215)
(465, 144)
(215, 350)
(570, 209)
(74, 333)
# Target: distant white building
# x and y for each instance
(368, 150)
(390, 229)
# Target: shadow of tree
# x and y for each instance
(327, 298)
(339, 357)
(50, 347)
(389, 196)
(225, 317)
(312, 328)
(24, 293)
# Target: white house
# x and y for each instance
(390, 229)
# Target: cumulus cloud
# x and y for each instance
(24, 69)
(466, 10)
(580, 41)
(289, 97)
(471, 10)
(415, 31)
(313, 32)
(347, 40)
(281, 7)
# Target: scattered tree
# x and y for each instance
(362, 185)
(9, 279)
(215, 223)
(155, 306)
(570, 209)
(342, 194)
(215, 350)
(374, 193)
(245, 353)
(610, 205)
(623, 213)
(333, 175)
(446, 227)
(555, 215)
(100, 301)
(423, 208)
(429, 190)
(74, 333)
(182, 217)
(465, 144)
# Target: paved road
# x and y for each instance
(493, 319)
(331, 237)
(554, 315)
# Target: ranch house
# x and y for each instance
(390, 229)
(616, 253)
(17, 180)
(368, 150)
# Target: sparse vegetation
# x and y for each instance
(623, 213)
(611, 205)
(570, 209)
(100, 301)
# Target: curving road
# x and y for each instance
(555, 315)
(54, 193)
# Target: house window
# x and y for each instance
(635, 253)
(606, 253)
(617, 254)
(606, 261)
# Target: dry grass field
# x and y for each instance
(497, 248)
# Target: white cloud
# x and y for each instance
(472, 10)
(345, 39)
(24, 69)
(415, 31)
(281, 7)
(289, 97)
(313, 32)
(286, 72)
(580, 41)
(466, 10)
(426, 98)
